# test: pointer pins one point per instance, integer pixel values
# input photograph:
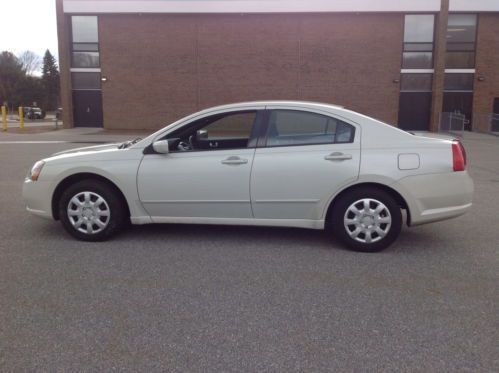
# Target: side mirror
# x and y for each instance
(161, 146)
(201, 134)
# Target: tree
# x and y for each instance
(31, 62)
(11, 76)
(50, 80)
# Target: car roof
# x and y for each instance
(311, 104)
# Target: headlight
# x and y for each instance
(35, 170)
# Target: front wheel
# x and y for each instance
(366, 219)
(90, 210)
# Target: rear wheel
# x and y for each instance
(366, 219)
(91, 210)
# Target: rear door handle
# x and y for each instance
(337, 156)
(234, 160)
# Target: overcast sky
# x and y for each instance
(28, 25)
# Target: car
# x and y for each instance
(33, 112)
(270, 163)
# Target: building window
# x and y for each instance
(416, 85)
(86, 59)
(461, 40)
(86, 80)
(84, 29)
(458, 82)
(418, 41)
(416, 82)
(85, 42)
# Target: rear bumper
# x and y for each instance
(436, 197)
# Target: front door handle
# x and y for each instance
(337, 156)
(234, 160)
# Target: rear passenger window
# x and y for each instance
(291, 127)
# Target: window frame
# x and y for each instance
(263, 140)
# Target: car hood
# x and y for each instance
(86, 149)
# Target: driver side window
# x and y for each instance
(217, 132)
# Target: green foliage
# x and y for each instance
(18, 88)
(11, 75)
(50, 80)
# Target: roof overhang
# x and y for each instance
(273, 6)
(248, 6)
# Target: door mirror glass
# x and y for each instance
(161, 147)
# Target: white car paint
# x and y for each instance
(283, 186)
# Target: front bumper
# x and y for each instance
(38, 198)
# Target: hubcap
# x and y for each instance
(88, 212)
(367, 220)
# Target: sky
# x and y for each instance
(28, 25)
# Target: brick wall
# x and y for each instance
(487, 65)
(162, 67)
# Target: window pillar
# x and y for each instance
(439, 65)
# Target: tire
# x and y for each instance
(365, 230)
(86, 203)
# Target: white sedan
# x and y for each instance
(273, 163)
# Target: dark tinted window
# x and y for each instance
(460, 60)
(86, 80)
(416, 82)
(86, 59)
(291, 127)
(417, 60)
(461, 28)
(414, 111)
(458, 82)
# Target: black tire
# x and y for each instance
(115, 220)
(377, 196)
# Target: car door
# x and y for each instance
(305, 158)
(209, 181)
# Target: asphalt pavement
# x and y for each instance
(246, 299)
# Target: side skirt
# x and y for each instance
(295, 223)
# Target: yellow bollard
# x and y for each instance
(21, 117)
(4, 119)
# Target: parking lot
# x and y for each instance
(215, 299)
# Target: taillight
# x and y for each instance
(458, 156)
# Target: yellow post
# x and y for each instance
(4, 119)
(21, 117)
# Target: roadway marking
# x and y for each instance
(34, 142)
(54, 142)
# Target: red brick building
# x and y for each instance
(137, 64)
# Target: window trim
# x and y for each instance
(264, 141)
